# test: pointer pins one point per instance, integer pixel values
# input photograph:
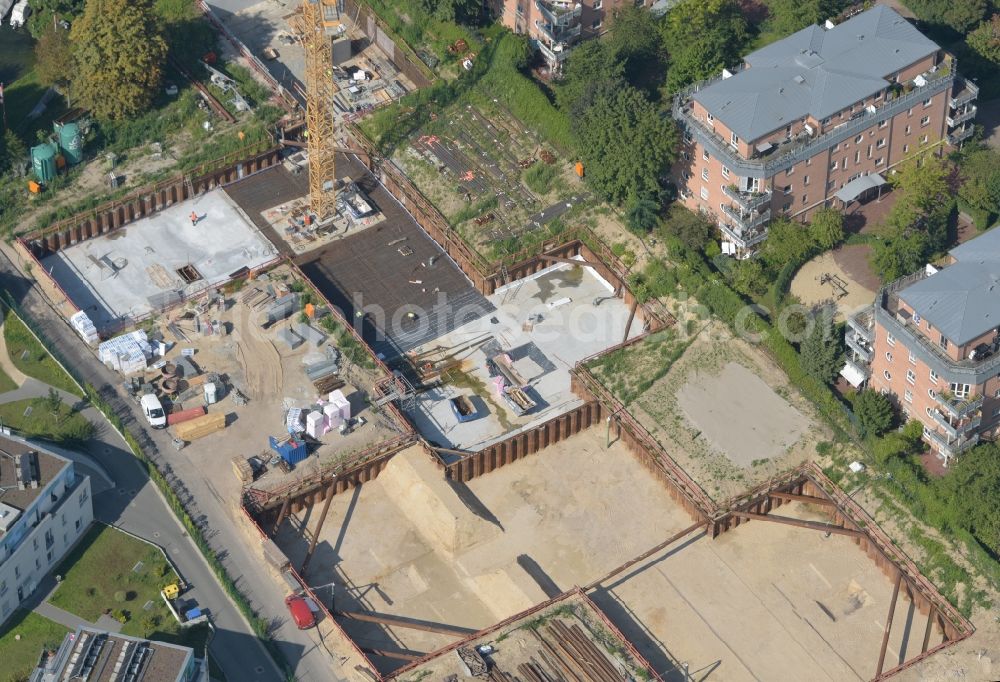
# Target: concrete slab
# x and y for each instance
(564, 297)
(129, 272)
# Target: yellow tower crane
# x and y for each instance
(320, 117)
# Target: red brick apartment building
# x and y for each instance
(554, 26)
(817, 117)
(932, 342)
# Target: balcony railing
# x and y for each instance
(552, 55)
(960, 135)
(957, 119)
(558, 34)
(958, 407)
(744, 221)
(952, 446)
(967, 93)
(745, 239)
(560, 16)
(861, 368)
(749, 201)
(957, 430)
(859, 346)
(863, 324)
(800, 148)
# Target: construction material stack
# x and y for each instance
(201, 426)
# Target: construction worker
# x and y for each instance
(194, 218)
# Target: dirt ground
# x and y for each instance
(850, 264)
(720, 473)
(743, 607)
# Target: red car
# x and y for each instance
(300, 611)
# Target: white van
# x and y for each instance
(153, 410)
(19, 14)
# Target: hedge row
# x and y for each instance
(260, 625)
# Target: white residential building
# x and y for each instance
(45, 507)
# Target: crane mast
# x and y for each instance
(320, 121)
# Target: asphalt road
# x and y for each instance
(135, 504)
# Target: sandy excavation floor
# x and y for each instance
(808, 288)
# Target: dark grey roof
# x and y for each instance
(962, 300)
(815, 71)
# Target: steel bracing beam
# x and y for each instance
(812, 525)
(808, 499)
(563, 259)
(645, 555)
(319, 526)
(931, 612)
(888, 624)
(282, 514)
(631, 316)
(410, 624)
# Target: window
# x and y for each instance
(826, 120)
(809, 161)
(908, 129)
(598, 4)
(885, 373)
(926, 120)
(909, 112)
(790, 171)
(912, 358)
(927, 102)
(924, 139)
(858, 140)
(17, 572)
(704, 174)
(76, 524)
(908, 396)
(734, 140)
(943, 342)
(805, 180)
(906, 148)
(805, 198)
(788, 189)
(996, 412)
(879, 161)
(883, 124)
(888, 356)
(960, 390)
(833, 166)
(890, 339)
(857, 156)
(932, 393)
(996, 394)
(725, 172)
(869, 151)
(83, 498)
(711, 119)
(934, 377)
(880, 143)
(836, 147)
(786, 206)
(3, 587)
(705, 156)
(911, 378)
(930, 413)
(704, 193)
(596, 25)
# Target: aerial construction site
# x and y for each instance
(477, 460)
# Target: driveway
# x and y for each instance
(135, 505)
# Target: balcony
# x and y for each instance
(746, 222)
(863, 324)
(964, 93)
(796, 149)
(960, 429)
(745, 239)
(958, 119)
(860, 346)
(748, 201)
(960, 135)
(559, 14)
(553, 55)
(558, 34)
(860, 367)
(951, 446)
(958, 408)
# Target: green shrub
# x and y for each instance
(540, 178)
(120, 596)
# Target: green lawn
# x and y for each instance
(101, 567)
(19, 656)
(56, 423)
(6, 383)
(31, 358)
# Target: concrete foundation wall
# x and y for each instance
(373, 28)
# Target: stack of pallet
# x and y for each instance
(201, 426)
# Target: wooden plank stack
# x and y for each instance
(201, 427)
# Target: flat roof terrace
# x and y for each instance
(155, 262)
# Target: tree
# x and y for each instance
(589, 66)
(897, 256)
(637, 44)
(453, 11)
(702, 37)
(692, 229)
(44, 14)
(787, 242)
(985, 40)
(922, 182)
(788, 16)
(820, 351)
(906, 441)
(641, 215)
(748, 277)
(625, 143)
(960, 15)
(874, 411)
(980, 175)
(12, 150)
(826, 228)
(53, 58)
(119, 53)
(968, 494)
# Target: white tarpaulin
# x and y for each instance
(855, 377)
